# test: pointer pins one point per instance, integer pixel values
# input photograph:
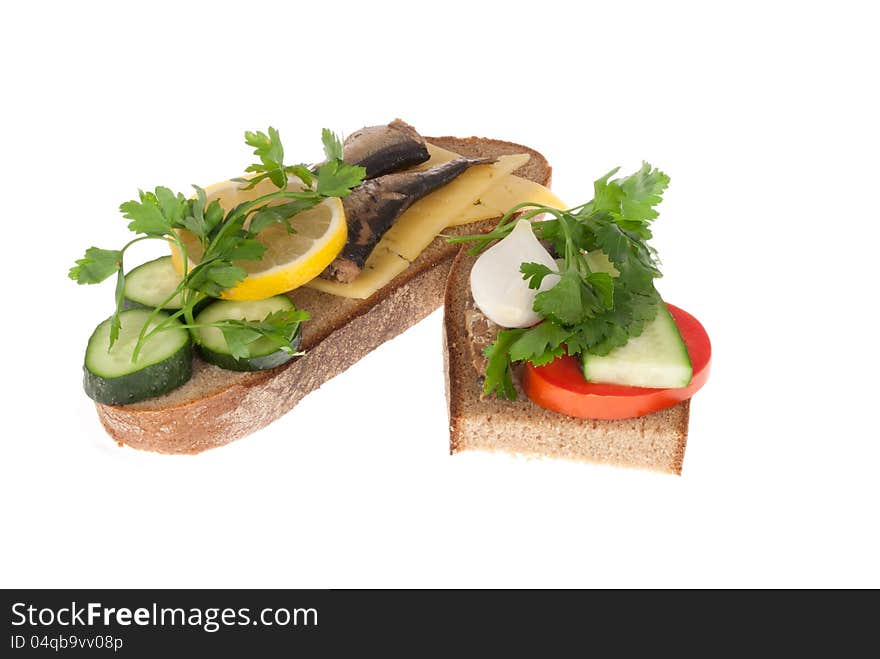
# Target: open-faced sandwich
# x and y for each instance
(282, 279)
(557, 342)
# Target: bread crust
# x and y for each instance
(217, 407)
(655, 441)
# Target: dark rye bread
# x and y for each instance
(217, 406)
(655, 441)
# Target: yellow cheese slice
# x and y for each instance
(438, 156)
(499, 199)
(381, 266)
(426, 218)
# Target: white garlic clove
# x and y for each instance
(497, 284)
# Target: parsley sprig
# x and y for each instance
(589, 309)
(226, 237)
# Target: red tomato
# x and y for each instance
(560, 385)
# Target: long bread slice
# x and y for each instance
(216, 407)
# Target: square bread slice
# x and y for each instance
(655, 441)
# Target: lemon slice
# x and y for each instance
(290, 260)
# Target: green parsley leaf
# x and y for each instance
(157, 213)
(641, 192)
(279, 328)
(332, 145)
(245, 249)
(540, 344)
(302, 173)
(631, 198)
(116, 320)
(567, 233)
(96, 266)
(569, 302)
(239, 336)
(213, 216)
(195, 222)
(534, 273)
(269, 215)
(173, 206)
(264, 218)
(214, 277)
(336, 178)
(202, 218)
(606, 193)
(611, 239)
(551, 232)
(603, 286)
(498, 378)
(269, 150)
(633, 309)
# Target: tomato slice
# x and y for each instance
(560, 385)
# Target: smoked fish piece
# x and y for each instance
(384, 149)
(373, 207)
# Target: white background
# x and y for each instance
(764, 114)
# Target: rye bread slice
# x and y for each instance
(656, 441)
(217, 406)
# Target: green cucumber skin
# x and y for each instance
(261, 363)
(154, 380)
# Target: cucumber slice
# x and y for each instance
(164, 362)
(657, 359)
(150, 284)
(262, 353)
